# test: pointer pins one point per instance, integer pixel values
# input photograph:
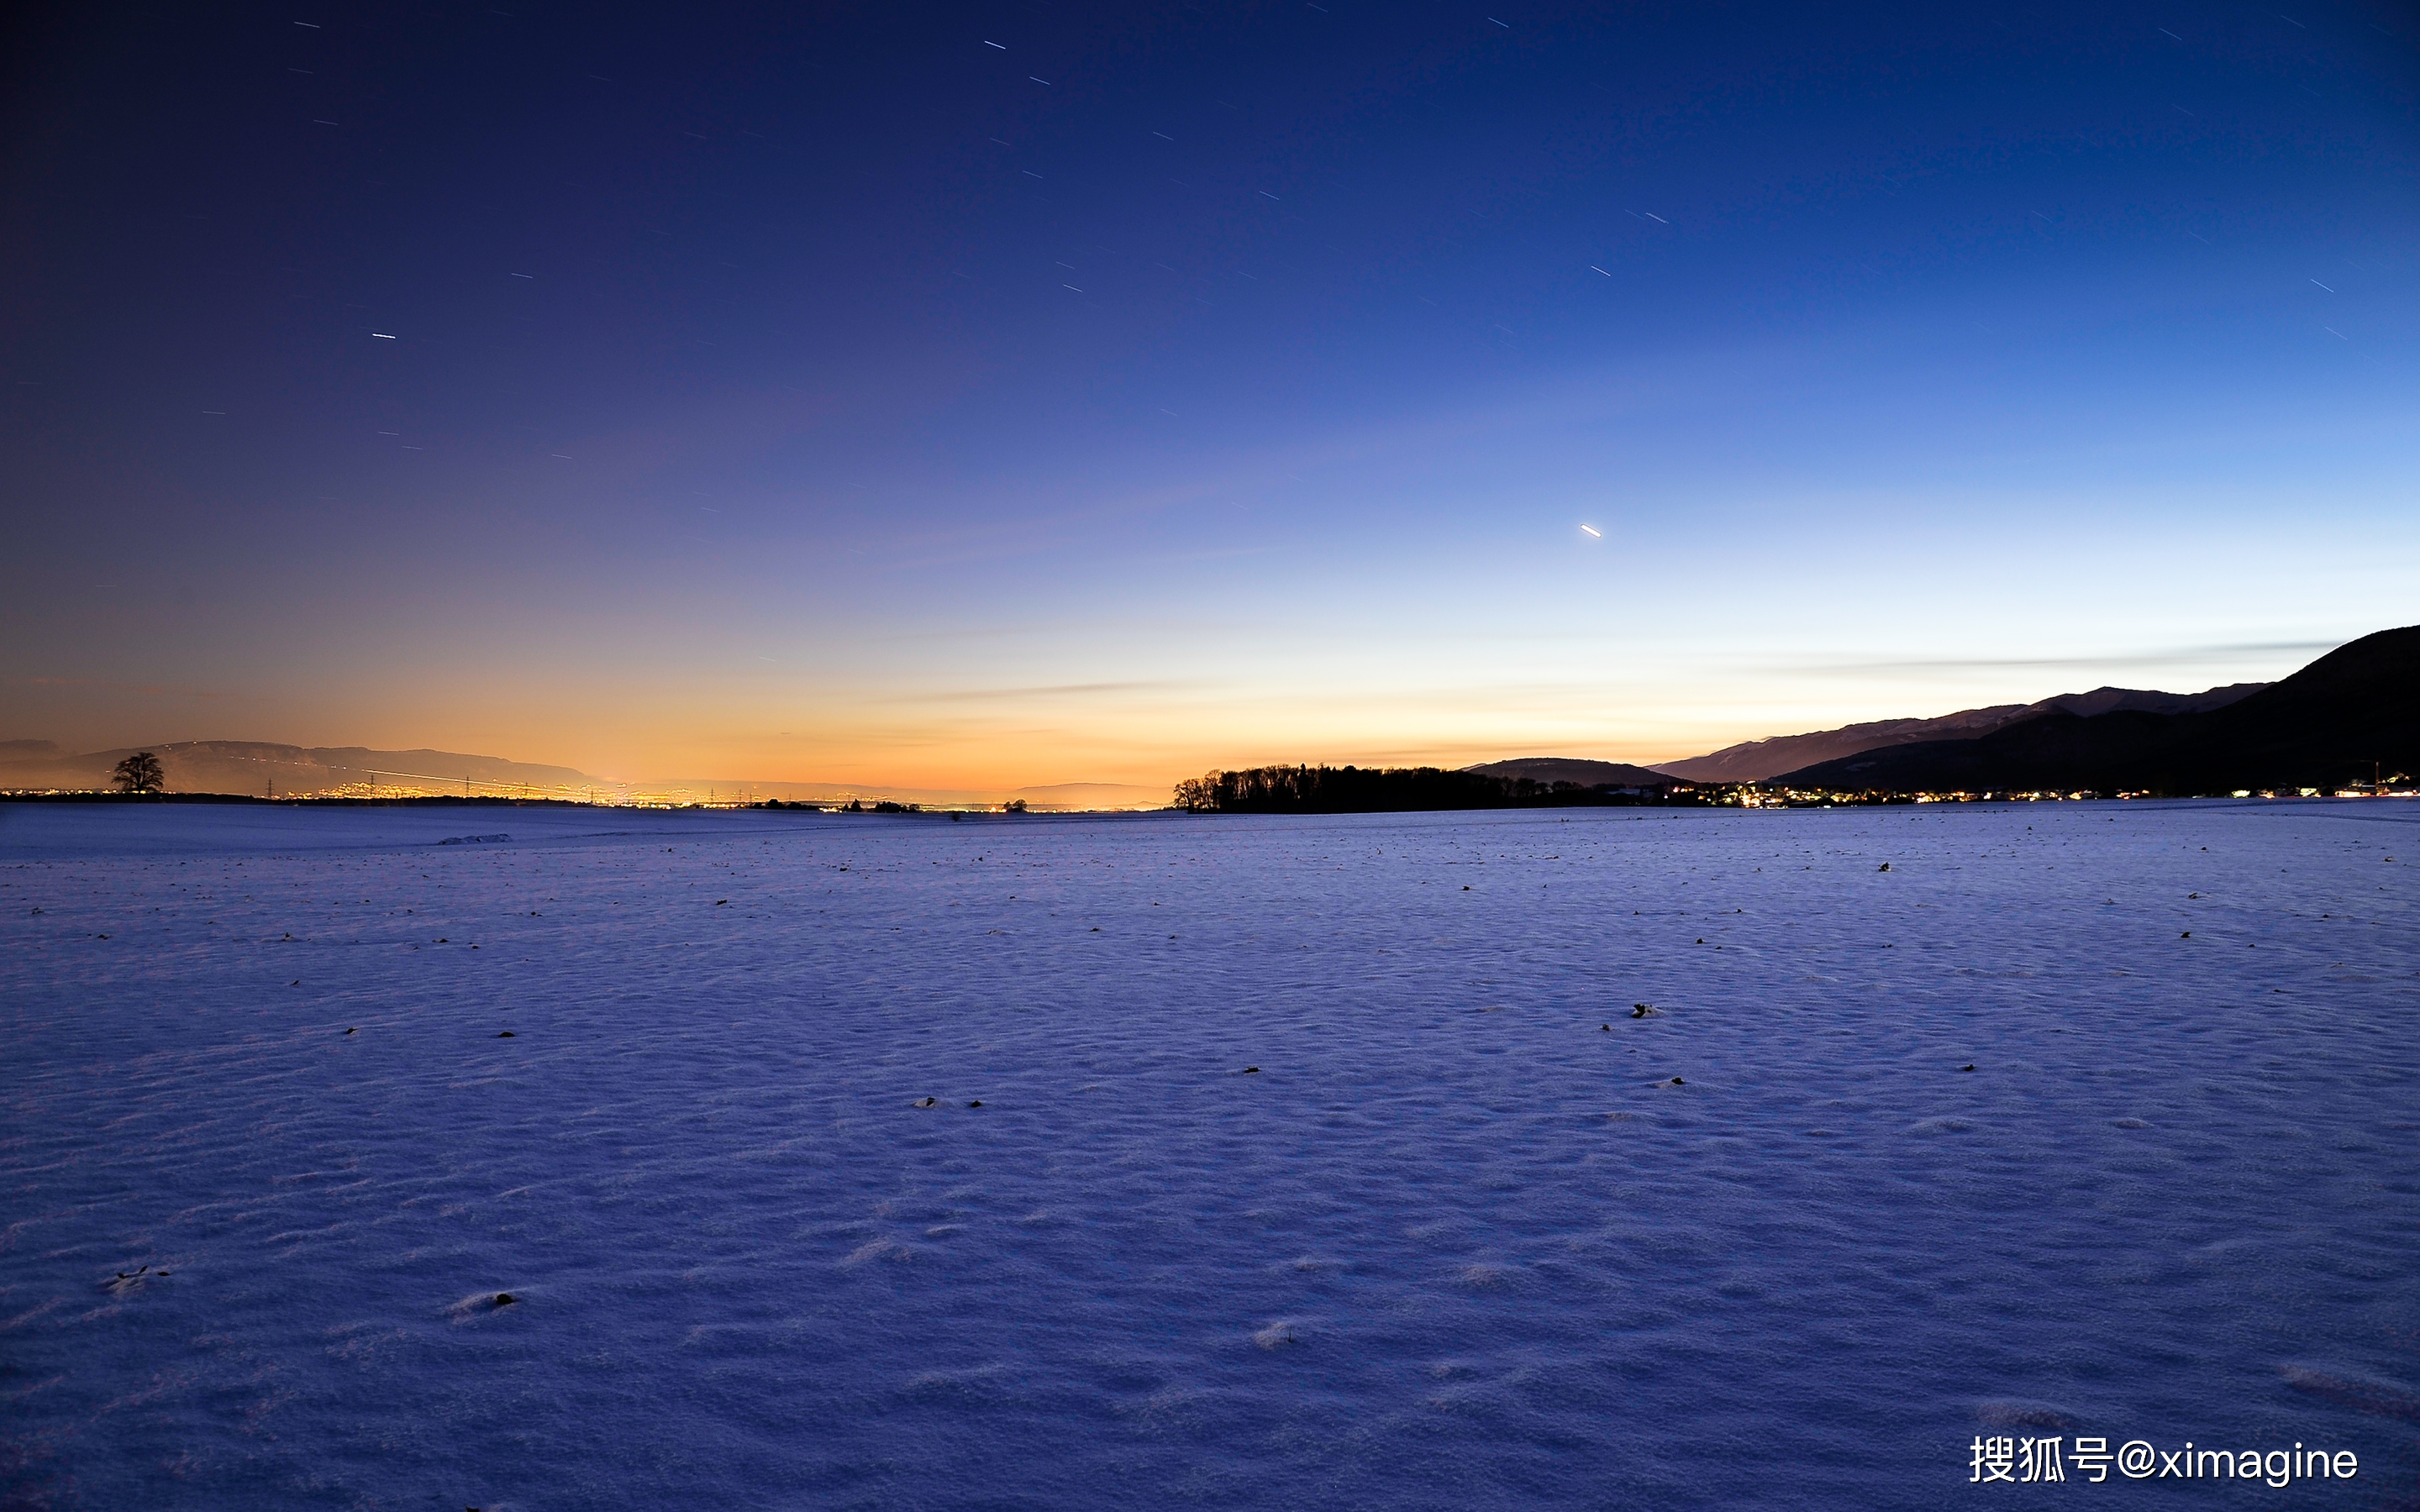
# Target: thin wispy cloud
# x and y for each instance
(2179, 655)
(1040, 692)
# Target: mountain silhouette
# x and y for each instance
(1755, 761)
(2354, 712)
(1548, 770)
(256, 767)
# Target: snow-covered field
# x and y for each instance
(1470, 1236)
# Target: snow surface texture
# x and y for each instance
(1471, 1236)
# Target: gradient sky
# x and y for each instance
(984, 395)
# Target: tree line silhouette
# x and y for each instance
(1384, 790)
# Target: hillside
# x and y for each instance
(1549, 770)
(253, 767)
(1755, 761)
(2324, 727)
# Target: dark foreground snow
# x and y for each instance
(1471, 1235)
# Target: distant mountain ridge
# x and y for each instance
(1588, 773)
(1756, 761)
(260, 768)
(2354, 711)
(255, 765)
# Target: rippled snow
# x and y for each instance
(1471, 1235)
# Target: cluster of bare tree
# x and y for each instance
(1374, 790)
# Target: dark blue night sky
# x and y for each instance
(1062, 392)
